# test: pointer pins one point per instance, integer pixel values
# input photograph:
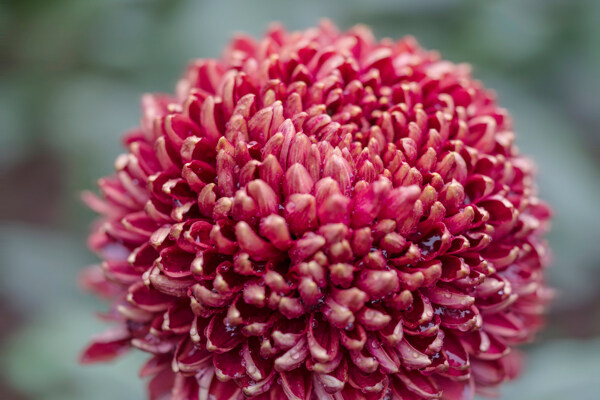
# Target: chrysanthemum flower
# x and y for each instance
(319, 215)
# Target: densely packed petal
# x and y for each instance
(320, 215)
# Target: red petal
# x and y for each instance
(148, 299)
(178, 319)
(411, 357)
(121, 272)
(374, 382)
(258, 249)
(354, 339)
(156, 364)
(223, 391)
(387, 358)
(487, 373)
(296, 384)
(185, 388)
(455, 352)
(417, 383)
(292, 358)
(254, 388)
(448, 297)
(335, 381)
(220, 337)
(190, 357)
(107, 346)
(161, 385)
(256, 366)
(452, 390)
(323, 340)
(228, 365)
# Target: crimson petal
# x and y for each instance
(417, 383)
(323, 340)
(148, 298)
(107, 346)
(190, 357)
(228, 365)
(221, 338)
(296, 385)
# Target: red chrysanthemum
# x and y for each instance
(318, 215)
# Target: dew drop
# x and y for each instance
(428, 245)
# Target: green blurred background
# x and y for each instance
(71, 75)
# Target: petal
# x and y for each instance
(148, 298)
(174, 262)
(323, 340)
(156, 364)
(335, 381)
(107, 346)
(220, 337)
(411, 357)
(256, 366)
(255, 388)
(487, 373)
(228, 365)
(457, 357)
(452, 390)
(417, 383)
(292, 358)
(296, 384)
(189, 357)
(222, 391)
(251, 243)
(387, 357)
(161, 385)
(373, 382)
(447, 297)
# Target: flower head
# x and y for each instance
(319, 215)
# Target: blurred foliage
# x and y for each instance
(72, 72)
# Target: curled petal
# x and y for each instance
(387, 358)
(293, 357)
(448, 297)
(335, 381)
(301, 213)
(305, 247)
(378, 284)
(353, 298)
(255, 388)
(148, 299)
(457, 357)
(297, 180)
(275, 229)
(417, 383)
(323, 340)
(354, 339)
(373, 319)
(411, 357)
(373, 382)
(296, 385)
(221, 338)
(218, 389)
(189, 357)
(251, 243)
(228, 365)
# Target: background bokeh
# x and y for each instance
(71, 75)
